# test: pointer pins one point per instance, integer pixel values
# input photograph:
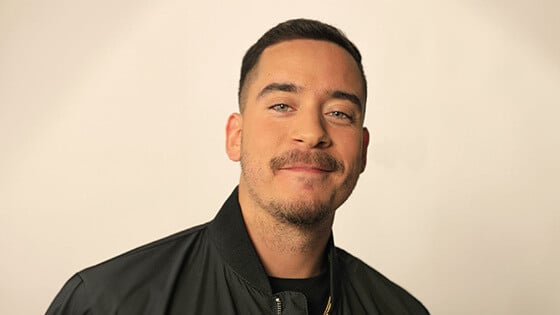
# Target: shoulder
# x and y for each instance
(159, 253)
(129, 281)
(141, 273)
(369, 285)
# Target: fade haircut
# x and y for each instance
(296, 29)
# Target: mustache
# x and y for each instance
(319, 159)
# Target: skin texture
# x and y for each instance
(302, 146)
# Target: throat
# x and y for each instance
(285, 250)
(289, 253)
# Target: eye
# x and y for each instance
(281, 107)
(341, 115)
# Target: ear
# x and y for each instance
(365, 144)
(233, 136)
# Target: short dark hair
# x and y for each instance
(297, 29)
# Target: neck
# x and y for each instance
(285, 250)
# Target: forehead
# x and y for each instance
(315, 65)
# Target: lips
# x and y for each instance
(306, 168)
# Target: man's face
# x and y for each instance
(300, 138)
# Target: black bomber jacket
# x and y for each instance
(214, 269)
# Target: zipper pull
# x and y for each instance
(278, 305)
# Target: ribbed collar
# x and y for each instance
(232, 240)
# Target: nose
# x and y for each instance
(309, 130)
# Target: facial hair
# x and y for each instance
(299, 213)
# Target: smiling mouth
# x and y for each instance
(306, 169)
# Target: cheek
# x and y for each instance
(351, 148)
(258, 144)
(264, 136)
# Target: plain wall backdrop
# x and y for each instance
(112, 118)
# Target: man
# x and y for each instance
(301, 143)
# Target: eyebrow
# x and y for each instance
(292, 88)
(282, 87)
(347, 96)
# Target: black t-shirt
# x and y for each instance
(315, 289)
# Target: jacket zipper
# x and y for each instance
(278, 305)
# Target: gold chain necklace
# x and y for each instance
(328, 308)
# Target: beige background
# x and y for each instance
(112, 121)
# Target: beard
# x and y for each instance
(302, 214)
(295, 210)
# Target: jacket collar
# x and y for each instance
(232, 239)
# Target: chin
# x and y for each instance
(301, 213)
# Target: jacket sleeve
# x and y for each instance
(71, 300)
